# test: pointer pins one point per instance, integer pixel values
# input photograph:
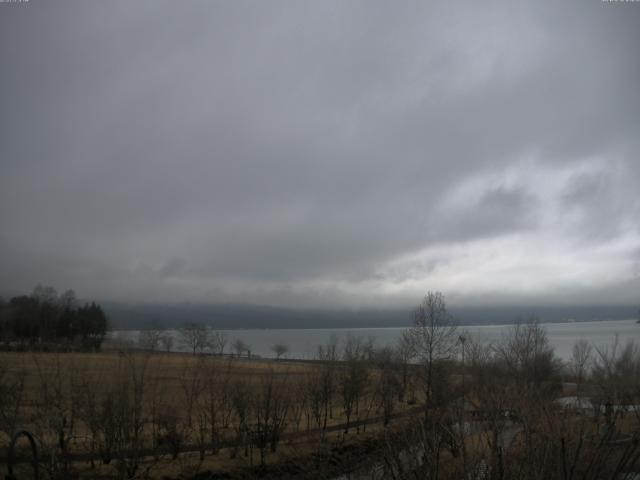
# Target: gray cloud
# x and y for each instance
(491, 212)
(308, 153)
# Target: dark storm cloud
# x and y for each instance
(597, 204)
(309, 153)
(492, 212)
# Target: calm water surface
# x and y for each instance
(303, 343)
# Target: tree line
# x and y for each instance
(46, 320)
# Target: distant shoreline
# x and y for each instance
(361, 327)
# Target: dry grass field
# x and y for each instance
(127, 414)
(101, 368)
(121, 414)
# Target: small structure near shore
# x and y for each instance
(580, 405)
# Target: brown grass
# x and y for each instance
(165, 378)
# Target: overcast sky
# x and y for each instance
(321, 154)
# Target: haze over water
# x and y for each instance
(303, 343)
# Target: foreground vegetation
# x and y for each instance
(436, 405)
(48, 321)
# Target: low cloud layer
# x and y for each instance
(321, 154)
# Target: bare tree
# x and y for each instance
(328, 355)
(329, 351)
(404, 353)
(167, 342)
(115, 407)
(193, 386)
(68, 300)
(55, 413)
(298, 405)
(129, 408)
(414, 452)
(218, 342)
(45, 294)
(388, 381)
(526, 352)
(11, 400)
(353, 377)
(433, 338)
(580, 359)
(150, 337)
(194, 336)
(270, 403)
(320, 386)
(319, 389)
(242, 407)
(240, 347)
(217, 402)
(279, 349)
(616, 367)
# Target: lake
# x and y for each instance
(303, 343)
